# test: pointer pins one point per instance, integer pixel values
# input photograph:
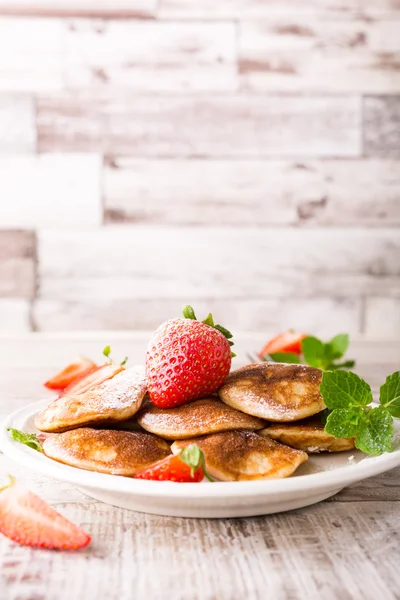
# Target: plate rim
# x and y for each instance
(334, 479)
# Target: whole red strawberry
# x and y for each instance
(187, 359)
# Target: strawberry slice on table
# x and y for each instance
(187, 359)
(79, 368)
(30, 521)
(96, 377)
(186, 467)
(288, 341)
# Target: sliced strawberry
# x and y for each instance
(79, 368)
(186, 467)
(288, 341)
(30, 521)
(96, 377)
(187, 359)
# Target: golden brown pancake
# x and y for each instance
(106, 451)
(116, 399)
(245, 455)
(274, 391)
(307, 435)
(200, 417)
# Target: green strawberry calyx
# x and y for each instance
(189, 313)
(194, 458)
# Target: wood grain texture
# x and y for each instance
(31, 57)
(117, 264)
(72, 181)
(257, 192)
(217, 126)
(115, 8)
(312, 55)
(17, 264)
(327, 549)
(349, 9)
(382, 126)
(17, 124)
(269, 314)
(112, 57)
(345, 547)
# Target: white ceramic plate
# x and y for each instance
(321, 477)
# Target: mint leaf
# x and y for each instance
(375, 432)
(28, 439)
(313, 351)
(320, 355)
(390, 394)
(343, 422)
(209, 320)
(285, 357)
(323, 415)
(338, 345)
(343, 389)
(123, 362)
(188, 313)
(347, 364)
(349, 396)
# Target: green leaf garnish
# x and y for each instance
(107, 354)
(323, 415)
(390, 394)
(318, 354)
(347, 364)
(343, 389)
(338, 345)
(348, 398)
(285, 357)
(313, 351)
(344, 422)
(375, 433)
(322, 355)
(194, 458)
(28, 439)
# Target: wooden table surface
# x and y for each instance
(347, 547)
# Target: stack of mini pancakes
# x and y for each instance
(262, 425)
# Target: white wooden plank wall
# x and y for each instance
(242, 155)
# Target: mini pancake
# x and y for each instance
(307, 435)
(200, 417)
(115, 400)
(245, 455)
(106, 451)
(274, 391)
